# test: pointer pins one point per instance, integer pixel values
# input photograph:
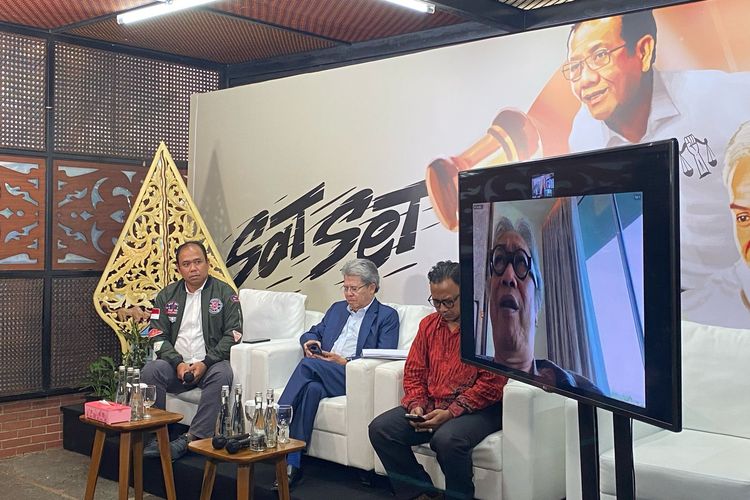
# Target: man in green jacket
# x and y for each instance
(194, 324)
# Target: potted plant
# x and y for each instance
(102, 378)
(139, 345)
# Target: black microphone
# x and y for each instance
(188, 378)
(235, 445)
(219, 442)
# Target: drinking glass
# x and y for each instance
(249, 414)
(149, 398)
(284, 415)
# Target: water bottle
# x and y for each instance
(121, 395)
(136, 397)
(222, 420)
(129, 385)
(270, 420)
(258, 441)
(237, 425)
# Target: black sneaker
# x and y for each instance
(178, 447)
(295, 476)
(151, 450)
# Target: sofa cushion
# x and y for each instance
(714, 384)
(409, 317)
(331, 416)
(488, 454)
(276, 315)
(687, 465)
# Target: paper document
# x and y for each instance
(385, 353)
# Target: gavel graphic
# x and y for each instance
(512, 135)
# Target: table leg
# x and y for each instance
(281, 478)
(244, 481)
(137, 438)
(96, 458)
(209, 474)
(124, 465)
(166, 461)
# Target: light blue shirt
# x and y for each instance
(346, 345)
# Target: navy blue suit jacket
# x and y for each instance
(379, 328)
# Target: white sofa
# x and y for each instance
(340, 428)
(274, 315)
(524, 460)
(710, 458)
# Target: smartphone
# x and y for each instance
(255, 340)
(414, 418)
(314, 348)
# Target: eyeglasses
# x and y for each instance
(573, 70)
(448, 303)
(353, 289)
(519, 259)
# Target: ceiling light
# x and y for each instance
(167, 7)
(420, 5)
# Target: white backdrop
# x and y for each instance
(375, 125)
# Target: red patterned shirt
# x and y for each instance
(435, 377)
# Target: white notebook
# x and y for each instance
(385, 353)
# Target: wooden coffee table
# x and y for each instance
(245, 460)
(131, 437)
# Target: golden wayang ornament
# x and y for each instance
(143, 260)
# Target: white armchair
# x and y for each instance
(340, 429)
(524, 460)
(709, 459)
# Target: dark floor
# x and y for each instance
(62, 474)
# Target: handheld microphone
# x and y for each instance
(235, 445)
(188, 378)
(219, 442)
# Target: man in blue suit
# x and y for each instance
(359, 322)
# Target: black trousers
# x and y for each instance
(453, 442)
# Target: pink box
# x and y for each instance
(109, 413)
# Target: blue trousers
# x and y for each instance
(312, 380)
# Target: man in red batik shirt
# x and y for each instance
(459, 404)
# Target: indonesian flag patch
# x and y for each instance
(155, 313)
(154, 333)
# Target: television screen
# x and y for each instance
(571, 267)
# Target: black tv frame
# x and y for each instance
(648, 168)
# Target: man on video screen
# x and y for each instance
(516, 292)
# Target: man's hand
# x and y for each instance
(199, 369)
(182, 369)
(333, 357)
(306, 348)
(417, 410)
(435, 419)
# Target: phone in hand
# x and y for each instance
(314, 349)
(414, 418)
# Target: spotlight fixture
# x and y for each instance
(419, 5)
(167, 7)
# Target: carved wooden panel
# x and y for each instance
(22, 195)
(92, 202)
(143, 260)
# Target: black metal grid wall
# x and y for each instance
(77, 339)
(20, 335)
(107, 107)
(22, 92)
(120, 106)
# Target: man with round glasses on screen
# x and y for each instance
(516, 293)
(358, 322)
